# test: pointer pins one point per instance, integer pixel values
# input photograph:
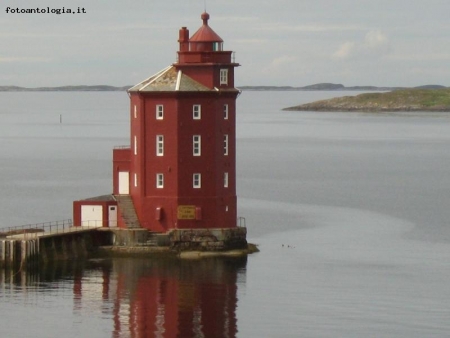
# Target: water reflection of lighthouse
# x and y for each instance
(153, 298)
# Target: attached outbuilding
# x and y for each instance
(98, 211)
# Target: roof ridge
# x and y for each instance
(157, 74)
(169, 79)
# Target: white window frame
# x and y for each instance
(224, 76)
(159, 180)
(197, 181)
(225, 111)
(225, 179)
(197, 145)
(159, 112)
(225, 144)
(159, 145)
(196, 111)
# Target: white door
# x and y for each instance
(124, 182)
(112, 216)
(92, 215)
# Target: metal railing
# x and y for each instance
(122, 147)
(29, 231)
(241, 222)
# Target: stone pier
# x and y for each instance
(76, 242)
(19, 251)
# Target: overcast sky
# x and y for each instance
(277, 42)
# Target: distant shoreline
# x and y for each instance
(81, 88)
(314, 87)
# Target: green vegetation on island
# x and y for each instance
(332, 86)
(397, 100)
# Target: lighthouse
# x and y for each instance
(178, 175)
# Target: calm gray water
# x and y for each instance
(351, 212)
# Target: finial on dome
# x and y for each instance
(205, 18)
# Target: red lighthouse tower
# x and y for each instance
(182, 166)
(179, 172)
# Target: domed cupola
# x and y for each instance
(205, 39)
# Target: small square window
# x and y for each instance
(159, 112)
(196, 112)
(159, 181)
(197, 181)
(225, 112)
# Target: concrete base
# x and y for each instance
(166, 252)
(129, 237)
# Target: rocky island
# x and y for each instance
(403, 100)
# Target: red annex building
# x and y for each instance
(180, 170)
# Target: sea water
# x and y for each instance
(350, 212)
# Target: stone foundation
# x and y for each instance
(208, 239)
(183, 239)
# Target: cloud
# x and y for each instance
(23, 59)
(37, 35)
(421, 56)
(129, 27)
(245, 19)
(280, 61)
(374, 45)
(345, 50)
(309, 28)
(375, 40)
(251, 41)
(280, 64)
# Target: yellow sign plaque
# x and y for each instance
(186, 212)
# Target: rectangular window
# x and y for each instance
(197, 181)
(159, 145)
(224, 76)
(197, 112)
(196, 145)
(225, 180)
(135, 111)
(135, 180)
(225, 144)
(159, 112)
(135, 145)
(160, 181)
(225, 112)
